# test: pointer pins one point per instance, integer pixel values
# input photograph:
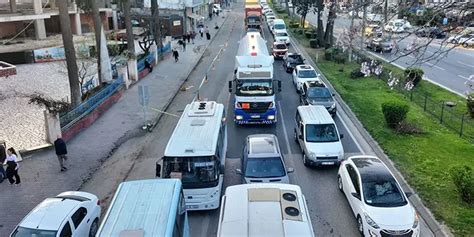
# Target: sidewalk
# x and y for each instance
(40, 172)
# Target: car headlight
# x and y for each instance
(417, 220)
(239, 117)
(312, 155)
(333, 106)
(271, 117)
(370, 221)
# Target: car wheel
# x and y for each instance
(453, 41)
(465, 45)
(360, 225)
(94, 228)
(339, 183)
(305, 160)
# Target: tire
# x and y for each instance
(94, 228)
(339, 184)
(465, 45)
(306, 162)
(360, 226)
(453, 41)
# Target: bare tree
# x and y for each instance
(70, 52)
(303, 7)
(329, 34)
(128, 25)
(156, 26)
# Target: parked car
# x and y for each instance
(302, 74)
(318, 136)
(397, 26)
(376, 198)
(468, 43)
(270, 19)
(262, 161)
(279, 49)
(316, 93)
(380, 45)
(430, 32)
(70, 213)
(291, 60)
(281, 36)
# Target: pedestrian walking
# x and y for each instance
(148, 66)
(201, 31)
(12, 166)
(193, 36)
(3, 156)
(210, 15)
(175, 55)
(180, 43)
(188, 37)
(61, 152)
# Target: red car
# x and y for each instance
(279, 49)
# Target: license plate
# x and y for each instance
(255, 116)
(192, 206)
(327, 163)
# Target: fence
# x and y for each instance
(443, 111)
(151, 58)
(68, 119)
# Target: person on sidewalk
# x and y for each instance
(12, 166)
(201, 31)
(175, 55)
(148, 66)
(184, 46)
(193, 36)
(61, 152)
(3, 156)
(208, 35)
(188, 37)
(180, 43)
(210, 15)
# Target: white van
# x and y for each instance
(317, 134)
(278, 25)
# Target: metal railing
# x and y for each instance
(70, 118)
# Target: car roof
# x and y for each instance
(262, 145)
(316, 83)
(305, 67)
(51, 213)
(315, 114)
(371, 168)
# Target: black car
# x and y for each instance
(431, 32)
(316, 93)
(291, 60)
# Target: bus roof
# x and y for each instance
(197, 131)
(265, 209)
(144, 206)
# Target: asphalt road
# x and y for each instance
(329, 210)
(449, 69)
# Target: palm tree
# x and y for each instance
(70, 52)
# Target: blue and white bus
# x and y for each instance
(147, 208)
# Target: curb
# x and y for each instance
(435, 227)
(168, 103)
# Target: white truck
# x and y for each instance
(253, 82)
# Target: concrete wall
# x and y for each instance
(87, 24)
(9, 29)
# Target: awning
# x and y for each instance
(195, 16)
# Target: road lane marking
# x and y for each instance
(461, 76)
(432, 65)
(465, 64)
(288, 147)
(351, 135)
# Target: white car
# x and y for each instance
(281, 36)
(376, 198)
(70, 213)
(461, 38)
(270, 19)
(302, 74)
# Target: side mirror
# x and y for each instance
(290, 170)
(341, 136)
(158, 169)
(300, 136)
(230, 86)
(356, 195)
(333, 94)
(238, 171)
(408, 194)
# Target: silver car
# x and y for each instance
(262, 161)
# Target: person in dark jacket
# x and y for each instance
(3, 156)
(61, 152)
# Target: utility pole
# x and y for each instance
(364, 16)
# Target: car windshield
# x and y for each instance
(307, 74)
(281, 34)
(382, 192)
(280, 46)
(279, 27)
(253, 19)
(194, 172)
(319, 93)
(264, 167)
(399, 24)
(26, 232)
(295, 58)
(321, 133)
(254, 87)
